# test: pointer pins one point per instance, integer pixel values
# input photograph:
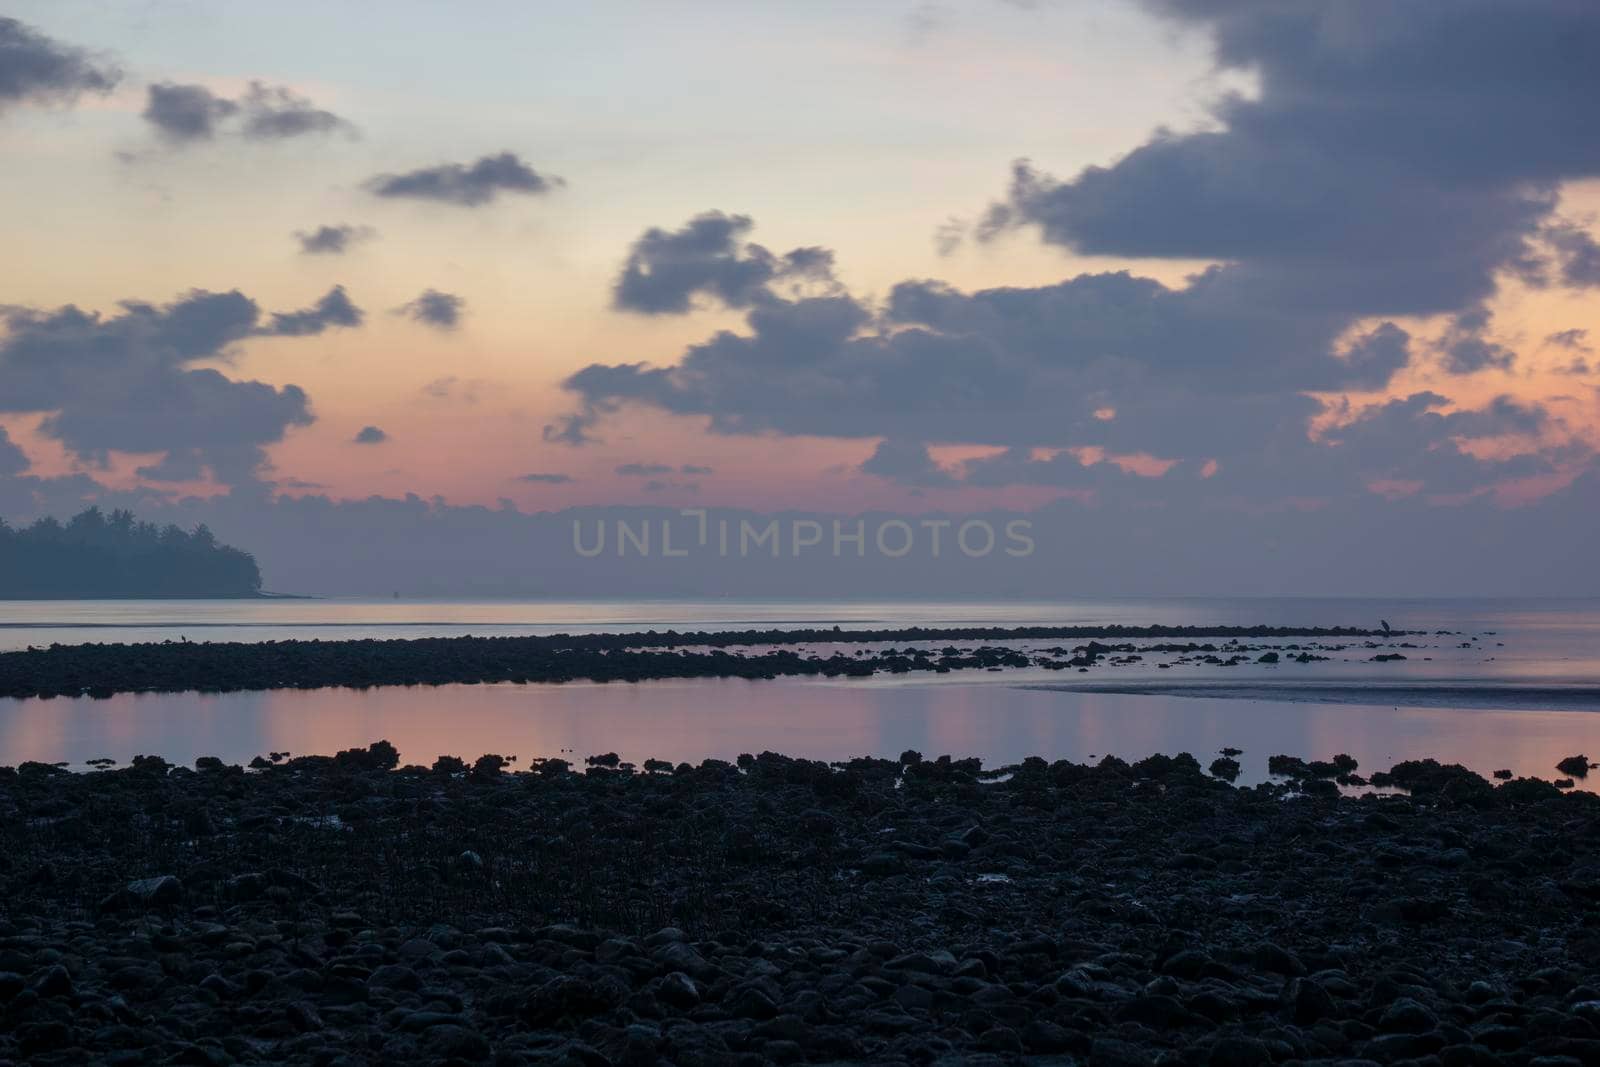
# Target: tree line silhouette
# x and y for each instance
(94, 554)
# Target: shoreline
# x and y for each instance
(98, 670)
(334, 908)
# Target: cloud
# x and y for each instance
(187, 114)
(577, 428)
(649, 470)
(546, 479)
(1395, 162)
(275, 113)
(334, 309)
(708, 256)
(1579, 254)
(451, 387)
(36, 69)
(1010, 367)
(442, 311)
(12, 459)
(126, 383)
(370, 435)
(907, 463)
(1467, 349)
(468, 186)
(332, 240)
(1574, 339)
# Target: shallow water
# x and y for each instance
(693, 719)
(1522, 694)
(1553, 627)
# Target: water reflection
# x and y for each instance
(690, 720)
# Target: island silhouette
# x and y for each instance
(95, 554)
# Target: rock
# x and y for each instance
(678, 956)
(1189, 963)
(751, 1003)
(678, 990)
(303, 1016)
(1238, 1050)
(1112, 1052)
(1269, 957)
(883, 864)
(394, 976)
(449, 1041)
(1311, 1002)
(1574, 766)
(566, 999)
(55, 981)
(1407, 1016)
(1001, 1039)
(1041, 1036)
(922, 963)
(1160, 1012)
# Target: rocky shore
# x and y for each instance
(102, 670)
(343, 910)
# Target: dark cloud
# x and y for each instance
(332, 240)
(184, 114)
(275, 113)
(370, 435)
(1575, 339)
(709, 256)
(1396, 161)
(37, 69)
(908, 463)
(642, 470)
(469, 186)
(695, 468)
(124, 383)
(577, 428)
(178, 465)
(1467, 348)
(1579, 254)
(1189, 371)
(12, 459)
(442, 311)
(545, 479)
(451, 387)
(334, 309)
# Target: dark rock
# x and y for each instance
(452, 1042)
(1574, 766)
(1270, 957)
(566, 1000)
(55, 981)
(1407, 1016)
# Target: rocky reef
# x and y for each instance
(101, 670)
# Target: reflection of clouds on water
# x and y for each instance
(688, 720)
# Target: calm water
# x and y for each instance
(1523, 694)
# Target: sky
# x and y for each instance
(1212, 261)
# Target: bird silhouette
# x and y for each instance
(1385, 625)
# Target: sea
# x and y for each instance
(1492, 684)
